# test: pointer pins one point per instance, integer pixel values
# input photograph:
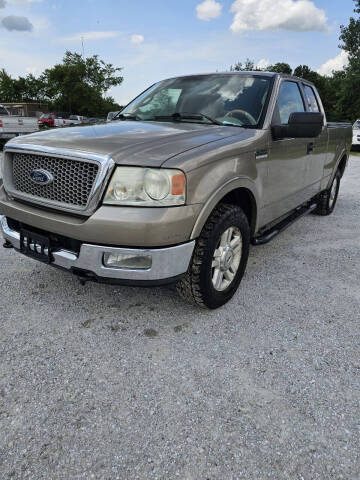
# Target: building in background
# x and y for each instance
(27, 109)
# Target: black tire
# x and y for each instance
(327, 201)
(197, 285)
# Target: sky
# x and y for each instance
(156, 39)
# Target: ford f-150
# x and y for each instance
(176, 189)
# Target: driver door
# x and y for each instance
(285, 188)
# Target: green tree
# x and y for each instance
(350, 35)
(348, 101)
(249, 66)
(280, 67)
(7, 87)
(80, 84)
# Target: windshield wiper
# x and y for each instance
(178, 116)
(126, 116)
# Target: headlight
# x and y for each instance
(148, 187)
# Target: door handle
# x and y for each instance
(310, 148)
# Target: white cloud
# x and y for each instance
(137, 39)
(295, 15)
(262, 64)
(91, 36)
(208, 9)
(334, 64)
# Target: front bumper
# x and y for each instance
(167, 263)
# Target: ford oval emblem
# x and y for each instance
(41, 177)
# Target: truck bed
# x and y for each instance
(11, 126)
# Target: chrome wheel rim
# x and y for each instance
(333, 192)
(226, 259)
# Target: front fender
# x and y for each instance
(218, 195)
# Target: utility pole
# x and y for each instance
(82, 44)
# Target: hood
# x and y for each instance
(132, 142)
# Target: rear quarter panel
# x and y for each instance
(340, 138)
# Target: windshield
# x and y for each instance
(236, 99)
(3, 111)
(357, 125)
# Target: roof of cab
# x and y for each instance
(245, 72)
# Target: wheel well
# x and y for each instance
(243, 198)
(342, 165)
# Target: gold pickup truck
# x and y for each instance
(178, 185)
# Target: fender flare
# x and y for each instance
(233, 184)
(343, 154)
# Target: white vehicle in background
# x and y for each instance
(111, 115)
(13, 125)
(356, 134)
(68, 122)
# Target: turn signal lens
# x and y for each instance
(178, 184)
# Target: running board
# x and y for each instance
(268, 235)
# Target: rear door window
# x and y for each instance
(311, 99)
(289, 101)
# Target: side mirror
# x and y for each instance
(301, 125)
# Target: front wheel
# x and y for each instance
(219, 260)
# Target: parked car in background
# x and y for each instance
(70, 121)
(194, 170)
(77, 119)
(356, 135)
(93, 120)
(47, 120)
(111, 115)
(13, 125)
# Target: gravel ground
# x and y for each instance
(102, 382)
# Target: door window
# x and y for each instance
(289, 101)
(311, 99)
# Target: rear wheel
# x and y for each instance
(219, 259)
(328, 198)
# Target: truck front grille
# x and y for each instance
(73, 180)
